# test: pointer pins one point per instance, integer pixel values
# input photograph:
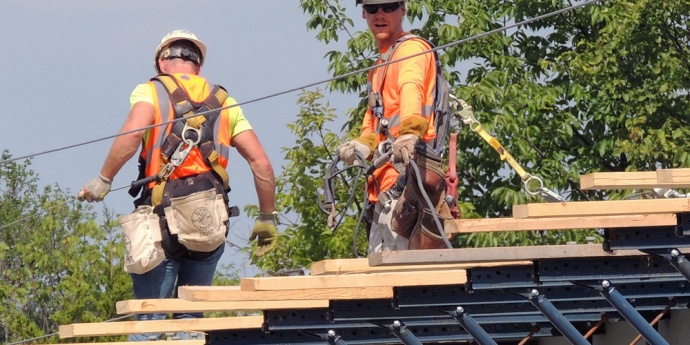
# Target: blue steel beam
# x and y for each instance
(630, 314)
(404, 334)
(569, 331)
(472, 327)
(677, 260)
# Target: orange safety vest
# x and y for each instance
(386, 80)
(212, 151)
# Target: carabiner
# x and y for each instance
(180, 154)
(542, 191)
(464, 110)
(529, 179)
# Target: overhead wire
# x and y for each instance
(366, 69)
(342, 76)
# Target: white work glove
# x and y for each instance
(347, 151)
(403, 148)
(95, 190)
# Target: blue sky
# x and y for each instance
(69, 66)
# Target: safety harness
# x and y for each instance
(196, 131)
(441, 106)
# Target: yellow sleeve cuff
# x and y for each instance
(414, 125)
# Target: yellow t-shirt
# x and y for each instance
(238, 123)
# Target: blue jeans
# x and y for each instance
(163, 281)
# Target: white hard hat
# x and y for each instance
(178, 35)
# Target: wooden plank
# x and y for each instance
(601, 208)
(361, 265)
(176, 305)
(662, 178)
(468, 255)
(563, 223)
(159, 326)
(445, 277)
(674, 178)
(619, 180)
(223, 293)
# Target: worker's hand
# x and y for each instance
(95, 190)
(348, 152)
(265, 232)
(403, 148)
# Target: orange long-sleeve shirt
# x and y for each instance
(407, 90)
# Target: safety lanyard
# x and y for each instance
(465, 112)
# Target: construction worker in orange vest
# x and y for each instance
(400, 117)
(183, 164)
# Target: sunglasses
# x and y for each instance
(387, 8)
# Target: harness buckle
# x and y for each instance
(166, 171)
(376, 104)
(463, 110)
(181, 154)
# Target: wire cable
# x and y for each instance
(47, 209)
(56, 333)
(342, 76)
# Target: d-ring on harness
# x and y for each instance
(181, 152)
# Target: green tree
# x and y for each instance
(600, 88)
(57, 265)
(308, 236)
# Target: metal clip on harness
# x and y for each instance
(464, 110)
(176, 159)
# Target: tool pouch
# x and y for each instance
(199, 220)
(143, 250)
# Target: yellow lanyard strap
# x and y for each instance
(502, 152)
(465, 113)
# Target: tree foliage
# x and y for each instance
(600, 88)
(57, 265)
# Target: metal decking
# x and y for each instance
(569, 297)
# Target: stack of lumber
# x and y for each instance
(376, 277)
(347, 279)
(563, 216)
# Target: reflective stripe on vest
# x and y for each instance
(427, 110)
(159, 134)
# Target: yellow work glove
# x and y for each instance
(403, 148)
(95, 190)
(348, 152)
(265, 232)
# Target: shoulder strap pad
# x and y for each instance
(385, 57)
